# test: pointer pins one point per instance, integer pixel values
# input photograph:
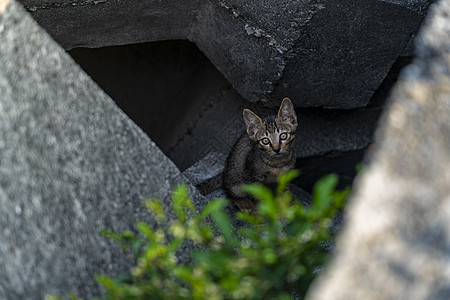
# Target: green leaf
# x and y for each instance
(250, 233)
(322, 193)
(145, 229)
(340, 197)
(297, 228)
(174, 245)
(136, 247)
(258, 191)
(106, 282)
(128, 236)
(224, 225)
(181, 202)
(53, 297)
(285, 179)
(112, 235)
(154, 205)
(72, 296)
(283, 296)
(275, 256)
(360, 167)
(249, 218)
(214, 205)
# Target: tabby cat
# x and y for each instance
(260, 154)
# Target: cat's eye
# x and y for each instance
(265, 141)
(283, 136)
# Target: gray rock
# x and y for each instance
(99, 23)
(206, 174)
(342, 164)
(323, 131)
(209, 167)
(71, 164)
(319, 53)
(395, 244)
(194, 110)
(419, 6)
(346, 52)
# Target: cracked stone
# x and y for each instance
(335, 56)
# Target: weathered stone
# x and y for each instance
(164, 87)
(419, 6)
(346, 52)
(71, 164)
(340, 163)
(194, 110)
(396, 242)
(206, 174)
(99, 23)
(319, 53)
(209, 167)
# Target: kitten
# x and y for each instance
(260, 154)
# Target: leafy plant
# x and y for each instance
(276, 256)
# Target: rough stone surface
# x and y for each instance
(71, 164)
(194, 110)
(99, 23)
(342, 164)
(164, 87)
(210, 166)
(319, 53)
(419, 6)
(396, 241)
(345, 53)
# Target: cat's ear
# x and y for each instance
(253, 122)
(286, 113)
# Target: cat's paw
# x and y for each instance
(245, 205)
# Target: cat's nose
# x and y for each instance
(276, 150)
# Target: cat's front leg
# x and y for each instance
(245, 205)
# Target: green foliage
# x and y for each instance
(275, 257)
(70, 296)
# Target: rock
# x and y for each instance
(323, 131)
(71, 164)
(175, 75)
(194, 110)
(209, 167)
(100, 23)
(319, 53)
(206, 174)
(419, 6)
(395, 244)
(342, 163)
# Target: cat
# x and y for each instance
(260, 154)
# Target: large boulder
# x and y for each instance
(319, 53)
(396, 242)
(71, 164)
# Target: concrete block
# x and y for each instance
(71, 164)
(395, 243)
(331, 54)
(319, 53)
